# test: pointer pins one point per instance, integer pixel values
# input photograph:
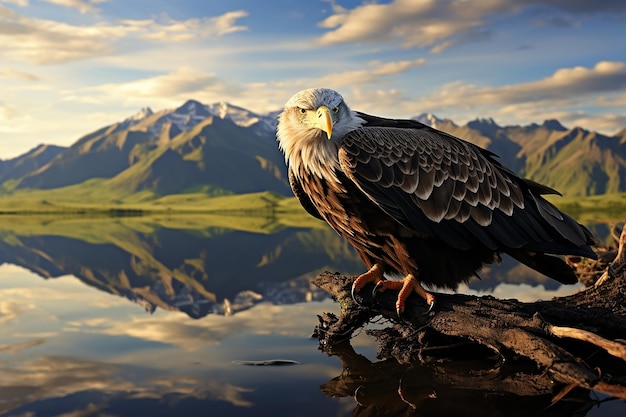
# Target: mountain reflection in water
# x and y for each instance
(195, 270)
(244, 294)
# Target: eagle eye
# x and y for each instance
(335, 110)
(301, 110)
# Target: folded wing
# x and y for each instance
(443, 186)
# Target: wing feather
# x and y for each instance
(425, 183)
(441, 185)
(371, 170)
(454, 208)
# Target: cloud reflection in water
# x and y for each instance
(77, 340)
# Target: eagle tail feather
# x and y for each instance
(551, 266)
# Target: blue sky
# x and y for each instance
(68, 67)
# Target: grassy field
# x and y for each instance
(263, 212)
(607, 208)
(93, 201)
(103, 229)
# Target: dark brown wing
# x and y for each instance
(303, 197)
(443, 186)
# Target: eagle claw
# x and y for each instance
(380, 284)
(430, 308)
(352, 294)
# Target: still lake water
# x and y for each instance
(162, 317)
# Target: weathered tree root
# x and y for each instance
(578, 340)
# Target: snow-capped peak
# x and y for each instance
(135, 118)
(193, 112)
(194, 109)
(238, 115)
(242, 117)
(141, 114)
(428, 119)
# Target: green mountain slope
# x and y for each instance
(215, 153)
(187, 149)
(29, 162)
(101, 154)
(581, 163)
(576, 162)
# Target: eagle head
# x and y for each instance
(312, 124)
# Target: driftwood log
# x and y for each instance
(549, 349)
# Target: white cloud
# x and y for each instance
(21, 3)
(18, 75)
(46, 41)
(170, 30)
(387, 103)
(566, 86)
(172, 88)
(10, 309)
(438, 24)
(168, 329)
(42, 41)
(612, 100)
(194, 335)
(372, 90)
(374, 73)
(7, 112)
(50, 377)
(225, 24)
(81, 5)
(397, 67)
(568, 94)
(421, 23)
(18, 347)
(336, 8)
(183, 81)
(606, 123)
(166, 90)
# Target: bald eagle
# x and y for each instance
(418, 202)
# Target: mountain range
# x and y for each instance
(575, 161)
(223, 149)
(218, 148)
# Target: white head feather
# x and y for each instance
(303, 141)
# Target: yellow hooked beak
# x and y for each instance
(324, 120)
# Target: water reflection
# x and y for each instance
(71, 343)
(199, 271)
(206, 268)
(460, 388)
(67, 348)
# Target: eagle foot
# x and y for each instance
(405, 287)
(375, 274)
